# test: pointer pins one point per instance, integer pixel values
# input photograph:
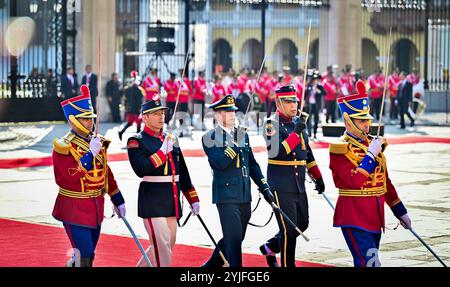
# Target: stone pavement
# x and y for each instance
(420, 172)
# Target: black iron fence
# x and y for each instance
(38, 44)
(438, 45)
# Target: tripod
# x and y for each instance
(154, 58)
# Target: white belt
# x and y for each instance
(163, 178)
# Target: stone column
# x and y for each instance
(99, 19)
(340, 39)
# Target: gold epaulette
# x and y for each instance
(339, 147)
(63, 145)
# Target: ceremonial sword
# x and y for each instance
(144, 254)
(323, 193)
(226, 264)
(385, 86)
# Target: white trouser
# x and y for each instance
(162, 232)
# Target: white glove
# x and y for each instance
(95, 146)
(167, 145)
(405, 221)
(195, 208)
(121, 210)
(375, 147)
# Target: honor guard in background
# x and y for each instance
(200, 91)
(233, 164)
(290, 157)
(314, 94)
(157, 159)
(84, 177)
(151, 85)
(171, 88)
(134, 96)
(376, 82)
(360, 173)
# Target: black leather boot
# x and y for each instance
(270, 259)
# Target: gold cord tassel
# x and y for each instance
(238, 162)
(303, 142)
(166, 168)
(105, 170)
(95, 168)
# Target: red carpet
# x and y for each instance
(34, 245)
(47, 161)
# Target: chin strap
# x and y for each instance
(76, 123)
(354, 129)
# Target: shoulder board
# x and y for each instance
(136, 137)
(134, 141)
(63, 145)
(209, 135)
(339, 147)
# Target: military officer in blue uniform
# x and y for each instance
(233, 164)
(290, 157)
(157, 158)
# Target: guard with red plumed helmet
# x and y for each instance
(83, 177)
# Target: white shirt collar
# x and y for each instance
(228, 131)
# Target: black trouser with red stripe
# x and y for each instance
(295, 205)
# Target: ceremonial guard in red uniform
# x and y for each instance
(376, 83)
(171, 88)
(360, 173)
(185, 92)
(151, 85)
(347, 81)
(200, 90)
(298, 84)
(157, 159)
(330, 85)
(134, 96)
(218, 90)
(393, 83)
(84, 177)
(290, 157)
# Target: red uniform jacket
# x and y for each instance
(298, 84)
(376, 86)
(185, 90)
(233, 89)
(330, 87)
(172, 91)
(80, 199)
(241, 82)
(200, 88)
(364, 186)
(393, 82)
(151, 87)
(218, 92)
(347, 81)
